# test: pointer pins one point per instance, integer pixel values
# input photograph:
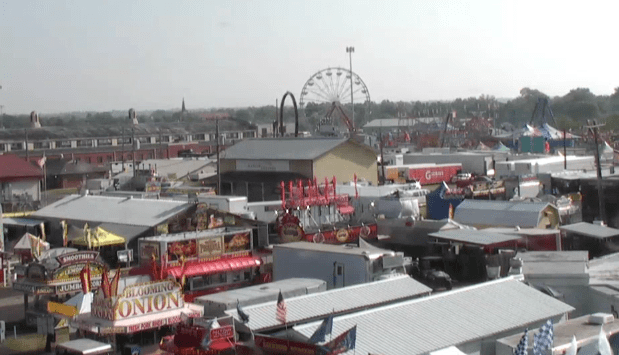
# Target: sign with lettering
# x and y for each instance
(274, 345)
(140, 299)
(210, 247)
(262, 165)
(77, 257)
(236, 242)
(148, 249)
(226, 332)
(72, 271)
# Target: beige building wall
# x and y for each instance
(303, 167)
(345, 161)
(227, 165)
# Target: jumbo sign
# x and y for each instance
(138, 300)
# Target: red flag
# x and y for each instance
(282, 312)
(283, 188)
(105, 284)
(114, 284)
(85, 277)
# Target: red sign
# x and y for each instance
(433, 174)
(284, 346)
(222, 333)
(77, 257)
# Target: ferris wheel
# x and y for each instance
(333, 85)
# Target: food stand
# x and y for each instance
(205, 261)
(55, 277)
(140, 310)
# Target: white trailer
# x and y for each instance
(338, 265)
(217, 303)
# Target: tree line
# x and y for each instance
(571, 111)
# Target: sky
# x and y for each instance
(59, 56)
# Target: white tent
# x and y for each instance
(81, 301)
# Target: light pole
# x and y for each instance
(593, 126)
(350, 51)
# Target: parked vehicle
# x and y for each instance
(429, 271)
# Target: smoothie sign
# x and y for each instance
(138, 300)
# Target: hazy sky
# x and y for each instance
(104, 55)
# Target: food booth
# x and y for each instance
(138, 313)
(205, 261)
(55, 276)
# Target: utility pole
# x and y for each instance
(218, 164)
(1, 116)
(133, 149)
(123, 148)
(27, 151)
(350, 51)
(593, 126)
(564, 151)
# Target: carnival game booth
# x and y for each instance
(205, 261)
(55, 276)
(316, 213)
(29, 247)
(137, 314)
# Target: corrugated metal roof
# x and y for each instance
(364, 249)
(25, 222)
(590, 230)
(343, 300)
(266, 292)
(470, 236)
(118, 210)
(500, 213)
(282, 148)
(451, 318)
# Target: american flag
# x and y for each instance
(544, 338)
(521, 349)
(281, 308)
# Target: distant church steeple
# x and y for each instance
(183, 109)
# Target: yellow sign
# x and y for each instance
(17, 214)
(342, 235)
(209, 247)
(62, 309)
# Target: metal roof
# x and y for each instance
(282, 148)
(451, 318)
(532, 232)
(262, 293)
(13, 167)
(402, 122)
(24, 222)
(118, 210)
(344, 300)
(500, 213)
(365, 249)
(470, 236)
(89, 130)
(590, 230)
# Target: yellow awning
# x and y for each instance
(100, 238)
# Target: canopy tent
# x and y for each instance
(501, 148)
(482, 146)
(99, 238)
(555, 134)
(81, 302)
(31, 245)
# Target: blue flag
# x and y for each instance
(325, 328)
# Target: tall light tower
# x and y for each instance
(350, 51)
